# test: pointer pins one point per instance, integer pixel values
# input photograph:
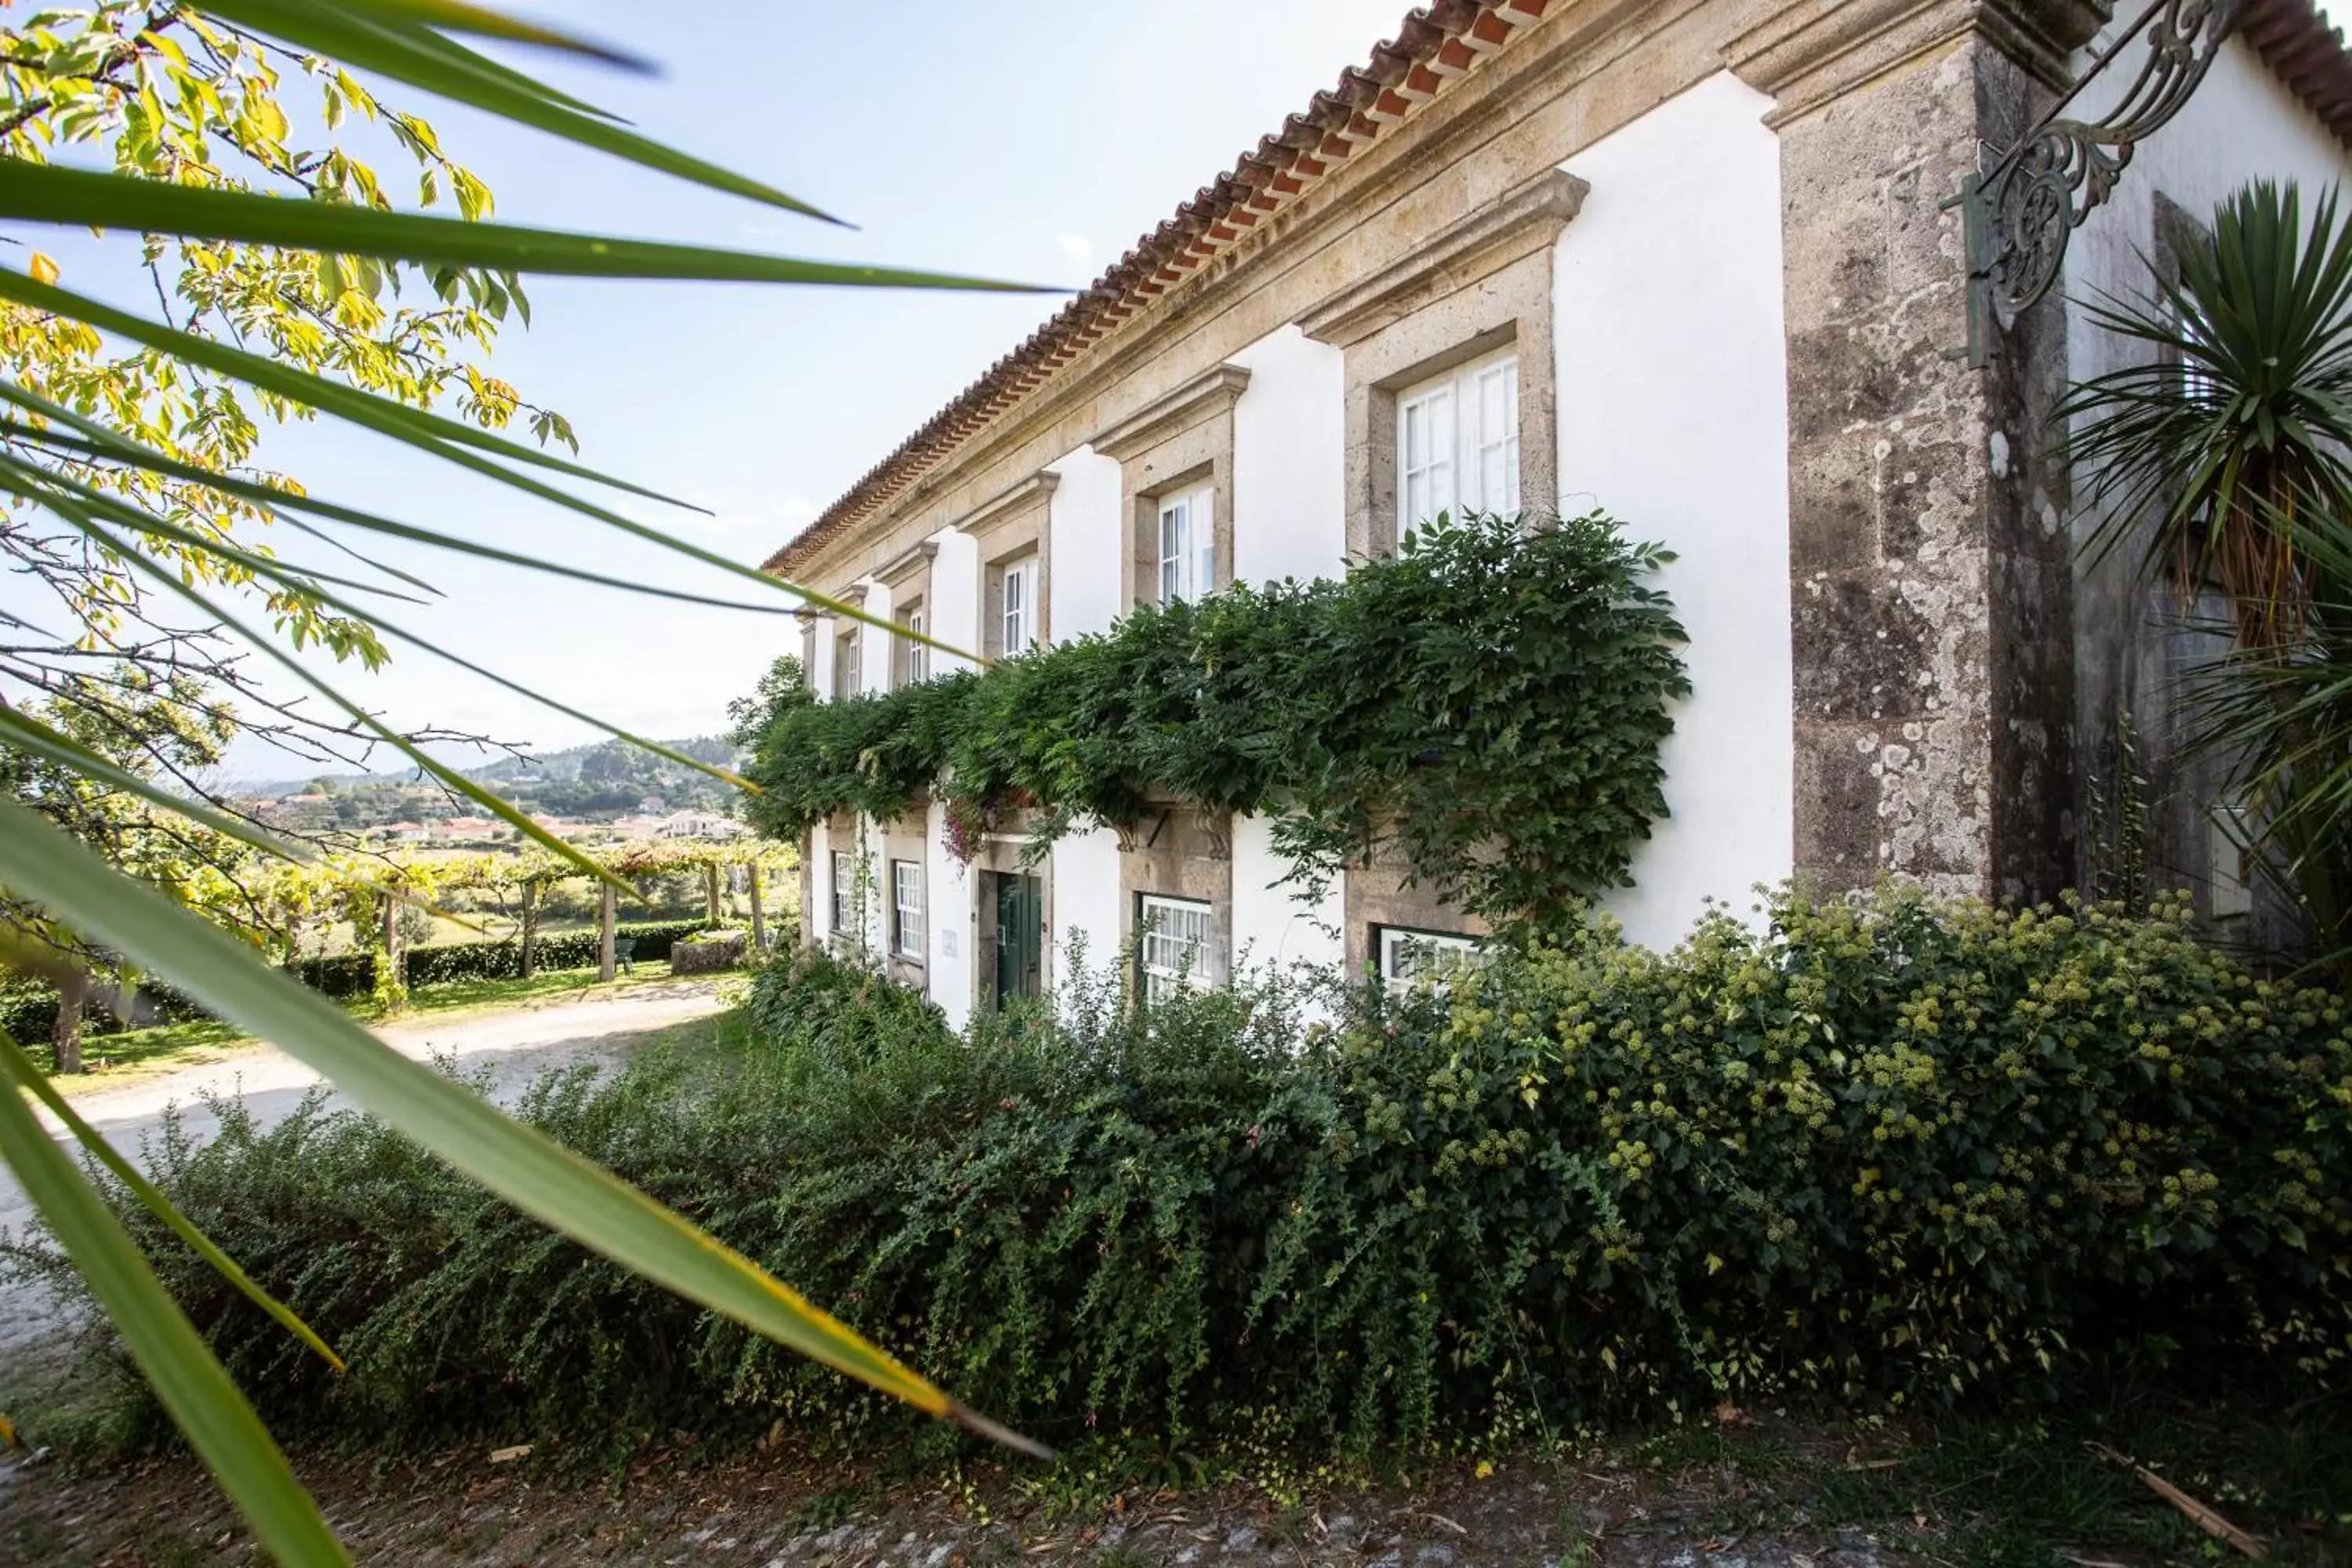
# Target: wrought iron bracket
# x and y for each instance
(2019, 214)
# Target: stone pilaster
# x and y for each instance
(1927, 551)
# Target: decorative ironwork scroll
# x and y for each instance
(2021, 212)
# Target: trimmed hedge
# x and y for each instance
(28, 1010)
(1893, 1156)
(434, 963)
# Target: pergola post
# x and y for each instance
(605, 915)
(396, 960)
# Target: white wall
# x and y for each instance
(2241, 124)
(1085, 872)
(1290, 460)
(1083, 538)
(1271, 925)
(954, 598)
(828, 628)
(874, 643)
(947, 886)
(1674, 418)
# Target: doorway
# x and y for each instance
(1019, 936)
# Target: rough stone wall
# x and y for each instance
(1928, 554)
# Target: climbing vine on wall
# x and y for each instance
(1489, 702)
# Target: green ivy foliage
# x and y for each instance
(1492, 699)
(1895, 1156)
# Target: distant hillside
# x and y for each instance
(597, 782)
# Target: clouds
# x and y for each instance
(1078, 248)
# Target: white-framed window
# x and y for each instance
(845, 662)
(919, 655)
(1017, 630)
(907, 937)
(1407, 956)
(1458, 442)
(842, 874)
(1174, 950)
(1188, 546)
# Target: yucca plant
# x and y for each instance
(150, 509)
(2224, 456)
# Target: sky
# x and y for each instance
(1033, 143)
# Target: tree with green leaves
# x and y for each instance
(165, 93)
(139, 723)
(110, 490)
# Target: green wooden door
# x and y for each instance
(1020, 937)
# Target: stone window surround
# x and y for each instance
(908, 579)
(1176, 852)
(1478, 285)
(1377, 894)
(849, 639)
(845, 835)
(811, 621)
(1008, 526)
(904, 839)
(1178, 442)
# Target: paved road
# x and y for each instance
(515, 1046)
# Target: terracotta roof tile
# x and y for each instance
(2305, 51)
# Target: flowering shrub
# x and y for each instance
(1906, 1153)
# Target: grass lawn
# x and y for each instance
(117, 1059)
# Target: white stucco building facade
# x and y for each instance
(1693, 264)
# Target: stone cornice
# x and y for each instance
(1007, 504)
(1808, 53)
(1202, 397)
(909, 563)
(1524, 220)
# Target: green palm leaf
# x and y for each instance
(410, 41)
(13, 1063)
(528, 1169)
(43, 193)
(377, 37)
(189, 1381)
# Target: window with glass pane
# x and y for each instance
(1407, 957)
(1425, 461)
(1458, 443)
(919, 655)
(907, 933)
(841, 876)
(1498, 488)
(845, 665)
(1188, 547)
(1019, 591)
(1174, 951)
